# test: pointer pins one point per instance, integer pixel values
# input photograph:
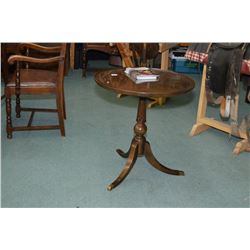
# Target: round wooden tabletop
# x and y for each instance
(169, 83)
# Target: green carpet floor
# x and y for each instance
(43, 169)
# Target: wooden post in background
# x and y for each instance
(72, 55)
(164, 55)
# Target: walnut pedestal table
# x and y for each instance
(169, 84)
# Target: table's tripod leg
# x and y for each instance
(122, 153)
(151, 159)
(126, 169)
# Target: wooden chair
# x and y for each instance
(36, 82)
(101, 47)
(6, 51)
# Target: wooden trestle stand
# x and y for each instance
(203, 123)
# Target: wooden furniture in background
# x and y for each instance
(203, 122)
(36, 82)
(127, 56)
(7, 49)
(170, 84)
(164, 50)
(101, 47)
(242, 146)
(72, 55)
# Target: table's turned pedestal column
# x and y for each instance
(139, 147)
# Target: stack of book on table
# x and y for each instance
(141, 74)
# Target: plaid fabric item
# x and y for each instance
(202, 58)
(195, 56)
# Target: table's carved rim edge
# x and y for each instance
(141, 94)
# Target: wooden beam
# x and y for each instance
(72, 55)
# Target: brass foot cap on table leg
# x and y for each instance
(9, 136)
(109, 187)
(181, 173)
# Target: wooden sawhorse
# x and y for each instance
(203, 123)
